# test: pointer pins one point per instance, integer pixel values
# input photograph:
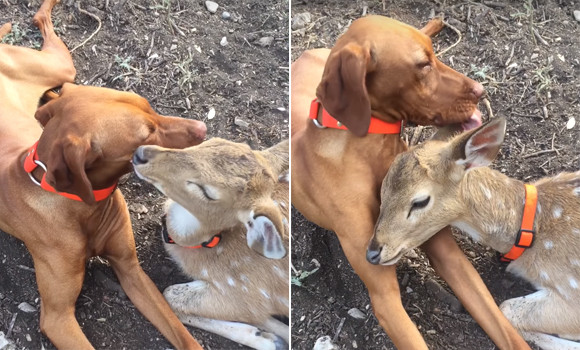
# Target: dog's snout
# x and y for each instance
(139, 156)
(374, 253)
(478, 90)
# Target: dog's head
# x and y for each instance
(388, 69)
(222, 184)
(90, 135)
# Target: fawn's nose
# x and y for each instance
(374, 254)
(139, 156)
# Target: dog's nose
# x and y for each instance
(478, 90)
(374, 254)
(139, 156)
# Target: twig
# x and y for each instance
(338, 329)
(455, 44)
(25, 268)
(511, 56)
(94, 33)
(8, 333)
(177, 29)
(542, 40)
(540, 152)
(384, 5)
(416, 135)
(488, 108)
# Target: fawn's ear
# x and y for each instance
(265, 230)
(342, 90)
(480, 146)
(278, 157)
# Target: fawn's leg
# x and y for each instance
(201, 305)
(543, 313)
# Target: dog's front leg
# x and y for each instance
(382, 284)
(122, 255)
(59, 274)
(451, 264)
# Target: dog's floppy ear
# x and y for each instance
(66, 168)
(342, 90)
(265, 232)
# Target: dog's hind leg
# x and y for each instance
(543, 313)
(55, 52)
(5, 29)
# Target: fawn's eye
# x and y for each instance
(419, 203)
(202, 190)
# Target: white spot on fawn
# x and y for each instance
(544, 275)
(573, 283)
(548, 244)
(204, 273)
(244, 278)
(245, 289)
(539, 208)
(575, 262)
(284, 301)
(557, 212)
(486, 191)
(576, 231)
(576, 191)
(563, 292)
(231, 281)
(279, 271)
(265, 294)
(219, 286)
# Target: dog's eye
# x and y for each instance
(203, 190)
(419, 203)
(426, 65)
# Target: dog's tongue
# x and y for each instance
(473, 122)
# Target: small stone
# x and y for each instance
(211, 113)
(577, 15)
(324, 343)
(226, 15)
(224, 41)
(26, 307)
(409, 290)
(238, 82)
(301, 20)
(431, 331)
(331, 300)
(5, 343)
(534, 56)
(356, 313)
(302, 318)
(28, 337)
(265, 41)
(173, 47)
(354, 344)
(138, 208)
(241, 123)
(211, 6)
(571, 123)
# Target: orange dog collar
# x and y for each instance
(212, 242)
(526, 235)
(377, 125)
(31, 162)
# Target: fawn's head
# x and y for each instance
(222, 184)
(419, 195)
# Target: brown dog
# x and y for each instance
(88, 139)
(386, 69)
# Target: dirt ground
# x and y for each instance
(169, 52)
(532, 82)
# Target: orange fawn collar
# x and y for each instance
(526, 235)
(212, 242)
(31, 162)
(377, 125)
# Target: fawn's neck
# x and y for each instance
(493, 205)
